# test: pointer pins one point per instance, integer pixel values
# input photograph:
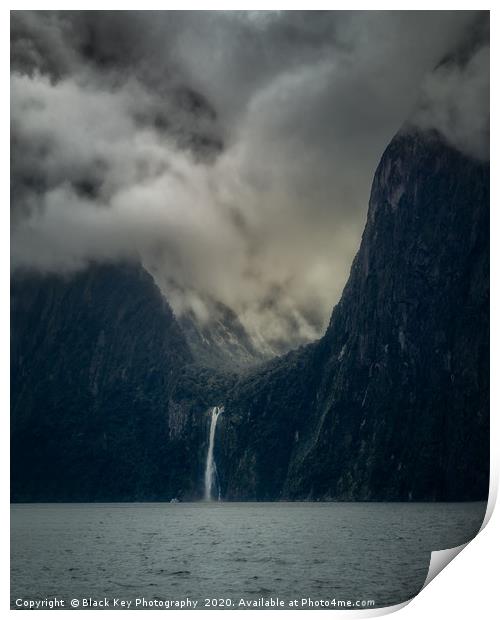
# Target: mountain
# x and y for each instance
(94, 358)
(221, 342)
(393, 402)
(111, 397)
(214, 333)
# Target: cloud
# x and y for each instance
(232, 151)
(455, 102)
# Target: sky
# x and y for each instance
(231, 152)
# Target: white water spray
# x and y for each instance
(210, 465)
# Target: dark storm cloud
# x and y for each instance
(232, 151)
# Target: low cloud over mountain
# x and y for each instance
(232, 152)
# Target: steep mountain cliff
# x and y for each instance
(405, 361)
(94, 359)
(391, 404)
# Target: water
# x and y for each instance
(370, 551)
(210, 467)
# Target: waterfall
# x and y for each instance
(210, 468)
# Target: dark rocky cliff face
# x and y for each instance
(391, 404)
(405, 381)
(94, 359)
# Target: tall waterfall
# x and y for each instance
(210, 468)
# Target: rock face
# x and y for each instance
(94, 360)
(391, 404)
(221, 343)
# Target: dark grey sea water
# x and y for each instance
(252, 551)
